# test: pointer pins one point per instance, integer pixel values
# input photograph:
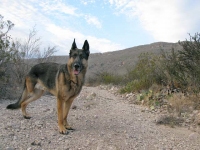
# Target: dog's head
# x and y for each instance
(78, 58)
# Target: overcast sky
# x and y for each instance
(108, 25)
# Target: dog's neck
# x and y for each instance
(76, 79)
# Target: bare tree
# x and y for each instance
(29, 53)
(46, 55)
(5, 42)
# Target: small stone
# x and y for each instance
(74, 107)
(193, 136)
(38, 124)
(43, 138)
(15, 137)
(195, 112)
(36, 143)
(46, 110)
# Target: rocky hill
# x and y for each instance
(118, 62)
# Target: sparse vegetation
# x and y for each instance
(105, 78)
(6, 51)
(28, 53)
(175, 71)
(16, 58)
(147, 71)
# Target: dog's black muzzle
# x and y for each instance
(77, 67)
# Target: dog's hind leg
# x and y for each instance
(37, 93)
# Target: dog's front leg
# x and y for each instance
(61, 126)
(67, 105)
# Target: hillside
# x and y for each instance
(118, 62)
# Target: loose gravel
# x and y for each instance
(102, 121)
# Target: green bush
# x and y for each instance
(176, 69)
(175, 75)
(108, 78)
(105, 78)
(147, 71)
(190, 60)
(181, 68)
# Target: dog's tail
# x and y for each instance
(14, 106)
(17, 105)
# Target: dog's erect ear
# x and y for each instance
(86, 47)
(73, 48)
(74, 45)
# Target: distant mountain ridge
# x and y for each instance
(117, 62)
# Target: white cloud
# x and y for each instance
(58, 6)
(93, 21)
(86, 2)
(25, 14)
(64, 36)
(168, 21)
(119, 3)
(103, 45)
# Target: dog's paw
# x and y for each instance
(62, 130)
(27, 117)
(69, 128)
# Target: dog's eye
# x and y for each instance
(74, 56)
(81, 56)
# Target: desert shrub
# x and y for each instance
(147, 71)
(105, 78)
(108, 78)
(190, 60)
(6, 52)
(178, 69)
(5, 45)
(174, 74)
(17, 57)
(180, 103)
(182, 69)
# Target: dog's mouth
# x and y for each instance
(76, 71)
(77, 68)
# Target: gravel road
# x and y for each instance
(103, 121)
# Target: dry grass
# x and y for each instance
(179, 103)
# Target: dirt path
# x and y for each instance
(102, 121)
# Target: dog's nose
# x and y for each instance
(76, 66)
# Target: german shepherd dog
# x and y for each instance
(64, 81)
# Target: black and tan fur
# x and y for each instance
(64, 81)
